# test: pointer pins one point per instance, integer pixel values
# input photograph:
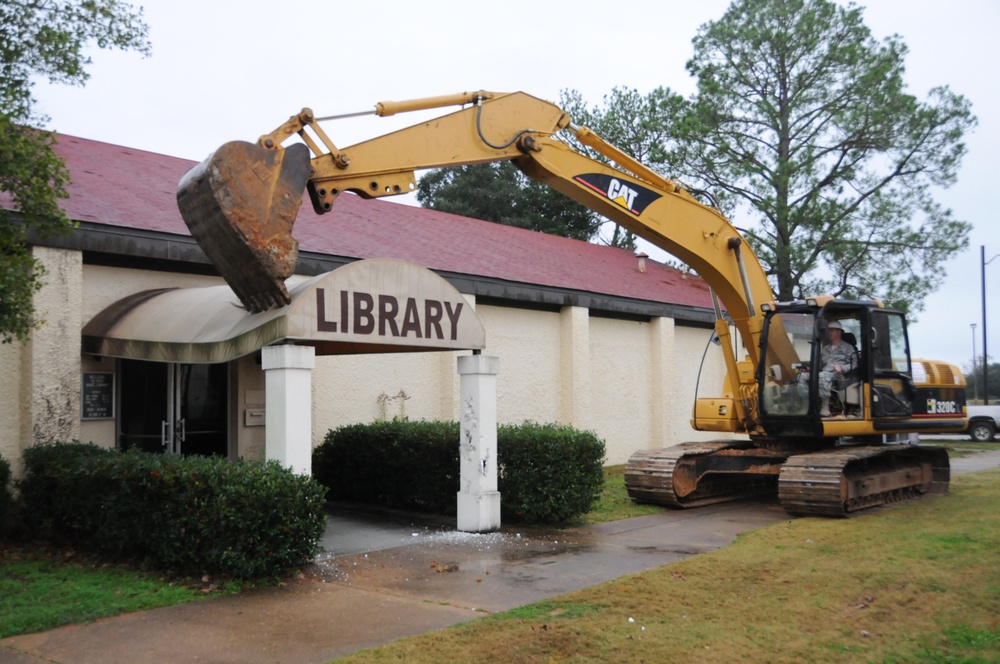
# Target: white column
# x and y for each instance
(574, 365)
(50, 378)
(665, 403)
(288, 399)
(478, 498)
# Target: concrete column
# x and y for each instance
(50, 395)
(478, 498)
(574, 361)
(40, 377)
(665, 403)
(288, 398)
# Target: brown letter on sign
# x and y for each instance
(432, 319)
(364, 322)
(322, 324)
(411, 319)
(453, 317)
(388, 307)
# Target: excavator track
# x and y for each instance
(702, 473)
(844, 480)
(834, 482)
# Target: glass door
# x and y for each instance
(892, 387)
(144, 406)
(174, 408)
(202, 409)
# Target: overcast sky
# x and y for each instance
(222, 71)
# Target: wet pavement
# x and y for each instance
(498, 571)
(385, 576)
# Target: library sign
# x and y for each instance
(377, 304)
(370, 306)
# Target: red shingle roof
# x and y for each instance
(120, 186)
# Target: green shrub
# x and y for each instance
(548, 473)
(399, 464)
(58, 489)
(187, 514)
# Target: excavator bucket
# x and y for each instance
(240, 205)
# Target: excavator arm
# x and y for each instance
(251, 193)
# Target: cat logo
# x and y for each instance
(621, 193)
(629, 196)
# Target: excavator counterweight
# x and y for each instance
(240, 204)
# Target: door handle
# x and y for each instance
(182, 427)
(165, 434)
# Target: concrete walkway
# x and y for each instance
(385, 577)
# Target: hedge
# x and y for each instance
(548, 473)
(6, 499)
(186, 514)
(399, 464)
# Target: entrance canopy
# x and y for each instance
(371, 306)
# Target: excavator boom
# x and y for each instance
(242, 199)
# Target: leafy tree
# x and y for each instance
(500, 193)
(803, 125)
(803, 119)
(42, 38)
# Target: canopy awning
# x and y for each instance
(371, 306)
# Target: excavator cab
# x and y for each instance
(812, 377)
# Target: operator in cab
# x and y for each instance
(836, 356)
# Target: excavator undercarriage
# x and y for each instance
(832, 482)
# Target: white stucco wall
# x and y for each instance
(633, 383)
(620, 389)
(348, 389)
(527, 343)
(53, 399)
(10, 393)
(685, 364)
(248, 395)
(620, 396)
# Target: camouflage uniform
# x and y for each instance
(842, 354)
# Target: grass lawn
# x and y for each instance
(960, 447)
(916, 583)
(614, 503)
(40, 590)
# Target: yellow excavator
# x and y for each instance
(826, 441)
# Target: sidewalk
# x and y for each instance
(386, 577)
